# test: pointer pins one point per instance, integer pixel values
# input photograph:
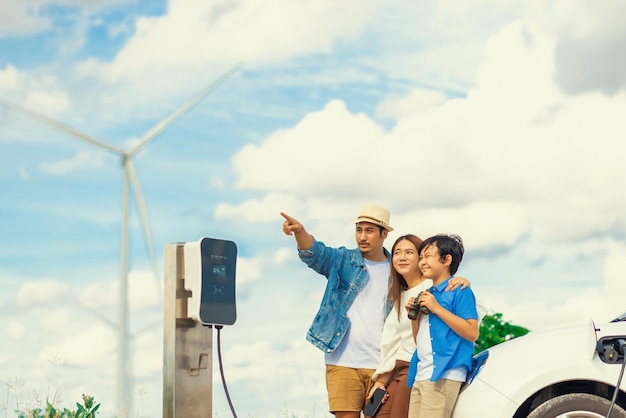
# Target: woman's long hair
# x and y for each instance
(398, 283)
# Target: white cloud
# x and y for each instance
(283, 254)
(40, 294)
(55, 320)
(46, 96)
(462, 8)
(82, 159)
(10, 79)
(591, 303)
(257, 210)
(148, 354)
(514, 143)
(15, 330)
(201, 40)
(23, 171)
(249, 269)
(243, 31)
(584, 20)
(415, 102)
(280, 164)
(299, 355)
(143, 292)
(98, 294)
(20, 17)
(216, 182)
(614, 267)
(83, 347)
(481, 224)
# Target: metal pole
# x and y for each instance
(123, 396)
(187, 348)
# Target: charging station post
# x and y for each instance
(199, 293)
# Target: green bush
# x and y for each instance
(86, 410)
(494, 330)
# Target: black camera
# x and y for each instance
(416, 307)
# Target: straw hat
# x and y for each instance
(374, 214)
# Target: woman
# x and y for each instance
(397, 343)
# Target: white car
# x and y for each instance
(567, 373)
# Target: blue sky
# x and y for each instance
(501, 121)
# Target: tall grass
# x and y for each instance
(20, 403)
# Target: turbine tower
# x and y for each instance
(130, 180)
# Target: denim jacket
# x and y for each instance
(346, 273)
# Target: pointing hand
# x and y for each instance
(291, 225)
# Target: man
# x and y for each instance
(349, 323)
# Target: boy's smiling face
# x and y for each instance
(431, 264)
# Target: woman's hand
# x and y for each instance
(455, 282)
(377, 385)
(409, 304)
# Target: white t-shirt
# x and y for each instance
(397, 342)
(360, 348)
(425, 355)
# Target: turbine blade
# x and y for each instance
(61, 126)
(162, 125)
(145, 223)
(100, 316)
(148, 327)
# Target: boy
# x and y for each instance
(445, 336)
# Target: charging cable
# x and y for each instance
(219, 357)
(622, 344)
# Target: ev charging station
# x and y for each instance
(199, 296)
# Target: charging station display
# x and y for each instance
(217, 301)
(210, 275)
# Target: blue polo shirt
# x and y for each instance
(449, 349)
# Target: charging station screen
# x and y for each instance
(217, 301)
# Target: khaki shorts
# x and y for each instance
(433, 399)
(347, 387)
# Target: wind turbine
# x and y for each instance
(130, 179)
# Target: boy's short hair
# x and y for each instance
(447, 244)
